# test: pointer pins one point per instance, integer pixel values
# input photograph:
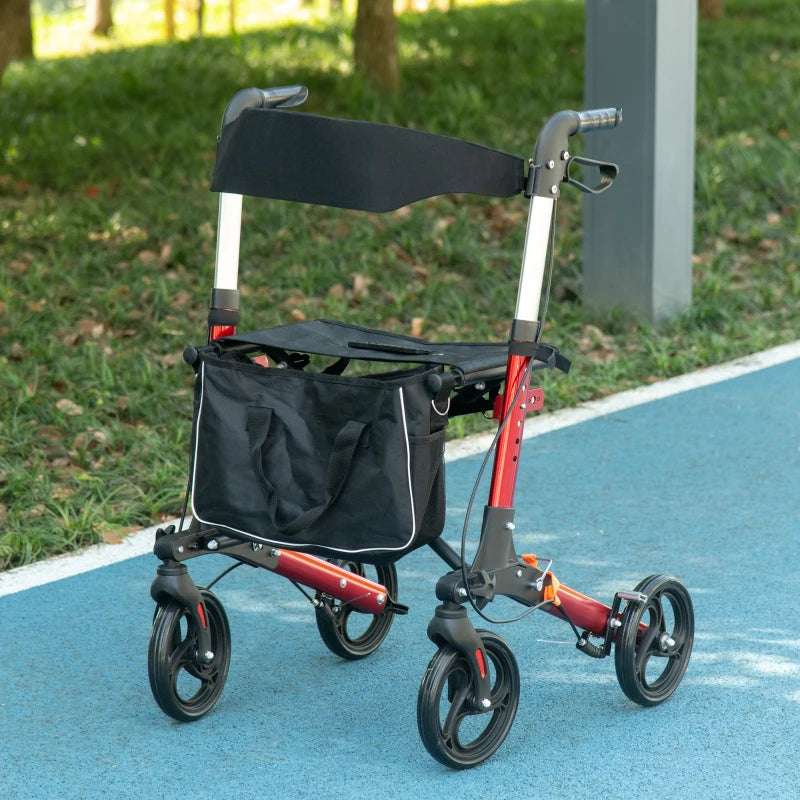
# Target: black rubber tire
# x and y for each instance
(348, 632)
(648, 667)
(445, 702)
(183, 687)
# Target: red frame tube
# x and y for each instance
(586, 613)
(506, 457)
(359, 592)
(218, 331)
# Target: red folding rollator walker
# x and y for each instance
(317, 447)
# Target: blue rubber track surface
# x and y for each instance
(703, 485)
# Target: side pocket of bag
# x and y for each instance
(427, 480)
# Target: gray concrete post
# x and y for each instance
(641, 55)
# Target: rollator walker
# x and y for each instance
(328, 477)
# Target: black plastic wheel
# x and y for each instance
(183, 685)
(348, 632)
(655, 641)
(452, 730)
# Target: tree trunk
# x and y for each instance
(710, 9)
(16, 41)
(375, 43)
(98, 17)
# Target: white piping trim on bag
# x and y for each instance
(294, 544)
(408, 463)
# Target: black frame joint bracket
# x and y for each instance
(551, 154)
(223, 309)
(450, 587)
(225, 299)
(451, 625)
(172, 582)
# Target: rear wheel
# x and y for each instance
(348, 632)
(183, 683)
(457, 731)
(655, 641)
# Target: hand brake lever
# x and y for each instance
(608, 172)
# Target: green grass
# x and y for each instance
(107, 236)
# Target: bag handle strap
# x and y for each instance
(259, 419)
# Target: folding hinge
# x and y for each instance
(533, 401)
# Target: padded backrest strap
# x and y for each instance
(368, 166)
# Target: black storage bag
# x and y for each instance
(345, 467)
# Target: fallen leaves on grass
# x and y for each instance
(399, 253)
(361, 284)
(504, 217)
(50, 433)
(442, 224)
(170, 359)
(115, 535)
(598, 346)
(17, 352)
(19, 266)
(90, 440)
(423, 273)
(69, 407)
(337, 290)
(119, 235)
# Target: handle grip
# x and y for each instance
(598, 118)
(279, 97)
(551, 147)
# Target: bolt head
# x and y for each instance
(551, 164)
(213, 544)
(208, 656)
(343, 583)
(554, 189)
(486, 702)
(380, 599)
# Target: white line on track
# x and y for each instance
(140, 543)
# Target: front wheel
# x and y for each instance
(184, 685)
(452, 728)
(654, 641)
